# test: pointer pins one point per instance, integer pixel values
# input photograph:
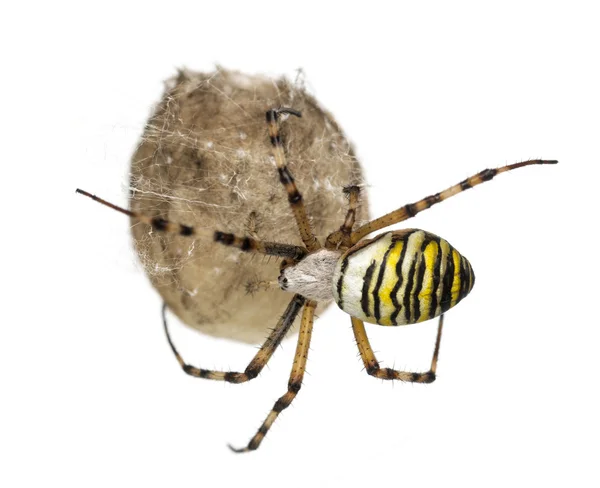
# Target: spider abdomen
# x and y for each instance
(401, 277)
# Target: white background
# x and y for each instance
(430, 93)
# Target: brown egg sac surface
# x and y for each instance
(205, 160)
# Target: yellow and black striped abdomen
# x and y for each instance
(401, 277)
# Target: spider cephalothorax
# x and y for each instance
(311, 276)
(397, 278)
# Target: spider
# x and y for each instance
(399, 277)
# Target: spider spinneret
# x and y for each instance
(397, 278)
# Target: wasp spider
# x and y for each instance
(397, 278)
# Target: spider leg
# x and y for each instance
(260, 359)
(372, 365)
(412, 209)
(247, 244)
(286, 178)
(157, 223)
(342, 238)
(295, 381)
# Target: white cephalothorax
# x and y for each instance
(312, 277)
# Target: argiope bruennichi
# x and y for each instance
(397, 278)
